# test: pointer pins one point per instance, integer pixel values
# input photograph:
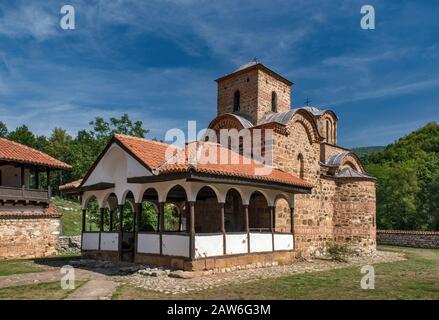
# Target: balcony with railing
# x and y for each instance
(24, 194)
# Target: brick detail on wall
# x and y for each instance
(415, 239)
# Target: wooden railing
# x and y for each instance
(23, 194)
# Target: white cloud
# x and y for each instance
(28, 19)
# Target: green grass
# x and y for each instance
(40, 291)
(72, 216)
(415, 278)
(9, 267)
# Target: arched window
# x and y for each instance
(236, 101)
(274, 101)
(301, 166)
(328, 131)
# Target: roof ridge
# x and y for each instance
(141, 139)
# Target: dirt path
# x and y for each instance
(94, 290)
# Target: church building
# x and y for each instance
(148, 208)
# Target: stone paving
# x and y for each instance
(171, 282)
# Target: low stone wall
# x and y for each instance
(71, 244)
(415, 239)
(28, 237)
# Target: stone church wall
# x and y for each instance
(354, 214)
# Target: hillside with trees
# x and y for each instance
(407, 171)
(81, 150)
(366, 151)
(408, 181)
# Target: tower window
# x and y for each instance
(236, 101)
(274, 101)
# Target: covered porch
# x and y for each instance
(187, 223)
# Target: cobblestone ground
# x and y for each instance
(161, 282)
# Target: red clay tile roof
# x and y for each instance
(153, 155)
(70, 185)
(49, 212)
(16, 152)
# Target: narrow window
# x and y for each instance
(301, 166)
(274, 101)
(236, 101)
(1, 182)
(328, 131)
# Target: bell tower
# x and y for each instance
(253, 91)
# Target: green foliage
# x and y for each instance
(80, 151)
(24, 136)
(366, 151)
(3, 130)
(337, 252)
(408, 181)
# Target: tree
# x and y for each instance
(24, 136)
(3, 130)
(407, 173)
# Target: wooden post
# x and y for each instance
(247, 227)
(120, 207)
(101, 219)
(223, 227)
(161, 223)
(101, 224)
(137, 214)
(84, 213)
(192, 229)
(111, 219)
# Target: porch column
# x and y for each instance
(137, 215)
(272, 223)
(101, 221)
(192, 229)
(247, 227)
(120, 208)
(101, 225)
(161, 223)
(84, 213)
(111, 219)
(223, 227)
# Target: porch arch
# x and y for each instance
(207, 211)
(259, 212)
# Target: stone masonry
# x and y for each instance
(342, 205)
(28, 238)
(414, 239)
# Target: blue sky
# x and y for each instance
(157, 60)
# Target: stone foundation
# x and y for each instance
(218, 264)
(31, 237)
(102, 255)
(415, 239)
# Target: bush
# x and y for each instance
(337, 252)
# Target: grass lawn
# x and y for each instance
(9, 267)
(415, 278)
(72, 216)
(40, 291)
